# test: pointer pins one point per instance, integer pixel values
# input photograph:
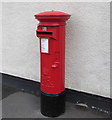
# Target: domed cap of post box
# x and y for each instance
(50, 15)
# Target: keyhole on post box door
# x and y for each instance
(55, 65)
(56, 58)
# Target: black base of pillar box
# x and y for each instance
(52, 105)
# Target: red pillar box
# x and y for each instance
(51, 32)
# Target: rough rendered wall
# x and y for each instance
(87, 43)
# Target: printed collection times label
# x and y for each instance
(44, 45)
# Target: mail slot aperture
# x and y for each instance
(47, 33)
(44, 33)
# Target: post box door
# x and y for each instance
(51, 75)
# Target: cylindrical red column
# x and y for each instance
(51, 32)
